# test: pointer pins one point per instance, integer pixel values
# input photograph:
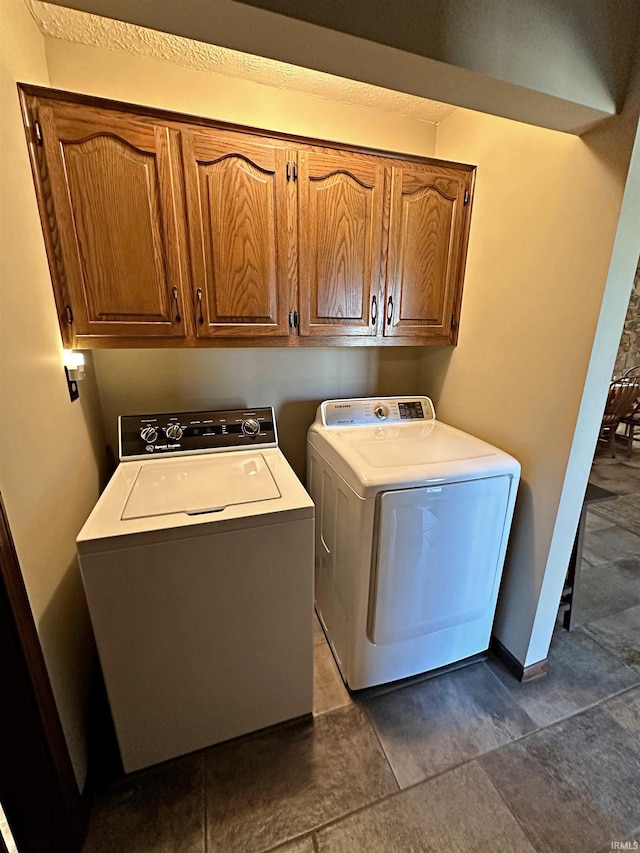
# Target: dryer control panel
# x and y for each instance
(366, 411)
(177, 433)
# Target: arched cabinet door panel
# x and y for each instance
(427, 243)
(340, 224)
(242, 246)
(164, 229)
(119, 222)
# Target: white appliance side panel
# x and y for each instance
(203, 639)
(339, 540)
(438, 557)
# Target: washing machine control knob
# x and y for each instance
(381, 412)
(174, 431)
(250, 427)
(148, 434)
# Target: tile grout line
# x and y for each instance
(373, 803)
(333, 821)
(401, 789)
(537, 729)
(475, 758)
(504, 687)
(595, 704)
(599, 567)
(561, 719)
(608, 650)
(384, 751)
(555, 723)
(379, 801)
(545, 728)
(509, 809)
(312, 833)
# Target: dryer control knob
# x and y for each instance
(381, 412)
(174, 431)
(148, 434)
(250, 427)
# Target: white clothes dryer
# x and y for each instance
(412, 522)
(197, 563)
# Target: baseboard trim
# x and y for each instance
(522, 673)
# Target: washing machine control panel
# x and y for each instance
(377, 410)
(176, 433)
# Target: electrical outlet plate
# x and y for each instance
(72, 385)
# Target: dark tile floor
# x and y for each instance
(470, 760)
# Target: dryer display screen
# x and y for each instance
(411, 411)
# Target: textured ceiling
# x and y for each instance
(71, 25)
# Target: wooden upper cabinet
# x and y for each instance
(340, 204)
(116, 196)
(242, 245)
(169, 230)
(427, 243)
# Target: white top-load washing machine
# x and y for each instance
(412, 521)
(197, 563)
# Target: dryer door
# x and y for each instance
(439, 557)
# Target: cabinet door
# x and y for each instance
(426, 251)
(119, 221)
(340, 242)
(242, 246)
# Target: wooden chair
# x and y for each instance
(631, 420)
(622, 402)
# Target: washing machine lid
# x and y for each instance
(153, 501)
(373, 458)
(196, 485)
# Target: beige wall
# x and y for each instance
(544, 221)
(144, 80)
(294, 381)
(621, 137)
(543, 227)
(49, 469)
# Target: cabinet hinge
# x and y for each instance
(69, 314)
(37, 131)
(466, 196)
(453, 320)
